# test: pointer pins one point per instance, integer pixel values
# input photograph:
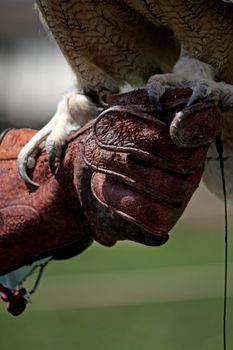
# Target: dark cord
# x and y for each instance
(219, 147)
(38, 279)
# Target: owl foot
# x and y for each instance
(158, 84)
(220, 94)
(73, 111)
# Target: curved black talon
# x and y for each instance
(54, 154)
(201, 90)
(22, 169)
(52, 162)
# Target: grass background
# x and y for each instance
(131, 297)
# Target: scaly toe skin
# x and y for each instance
(158, 84)
(72, 112)
(54, 151)
(201, 89)
(155, 90)
(218, 93)
(56, 141)
(225, 93)
(26, 157)
(221, 94)
(23, 163)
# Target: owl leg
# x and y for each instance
(220, 93)
(158, 84)
(189, 72)
(202, 89)
(73, 111)
(192, 73)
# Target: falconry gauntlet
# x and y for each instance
(129, 174)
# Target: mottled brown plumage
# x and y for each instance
(113, 43)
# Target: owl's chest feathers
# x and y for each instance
(134, 57)
(111, 42)
(107, 46)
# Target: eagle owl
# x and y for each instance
(123, 44)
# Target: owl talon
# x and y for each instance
(155, 90)
(201, 89)
(54, 153)
(73, 111)
(22, 168)
(158, 84)
(219, 93)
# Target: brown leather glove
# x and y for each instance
(121, 177)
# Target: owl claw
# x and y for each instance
(54, 153)
(158, 84)
(73, 111)
(218, 93)
(26, 157)
(201, 89)
(156, 90)
(22, 169)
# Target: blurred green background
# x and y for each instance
(131, 297)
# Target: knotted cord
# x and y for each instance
(17, 299)
(219, 147)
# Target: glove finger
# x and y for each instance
(158, 182)
(151, 214)
(126, 130)
(196, 126)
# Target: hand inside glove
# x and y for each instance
(121, 177)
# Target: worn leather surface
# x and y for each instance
(121, 177)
